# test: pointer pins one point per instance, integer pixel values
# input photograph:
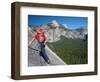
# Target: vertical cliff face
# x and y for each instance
(34, 59)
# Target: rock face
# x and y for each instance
(34, 59)
(54, 30)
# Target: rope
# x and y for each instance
(33, 48)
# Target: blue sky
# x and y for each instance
(71, 22)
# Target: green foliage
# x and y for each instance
(71, 51)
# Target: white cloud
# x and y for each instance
(65, 25)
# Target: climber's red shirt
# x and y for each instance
(40, 37)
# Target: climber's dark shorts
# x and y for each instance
(43, 53)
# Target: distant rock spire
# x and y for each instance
(55, 23)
